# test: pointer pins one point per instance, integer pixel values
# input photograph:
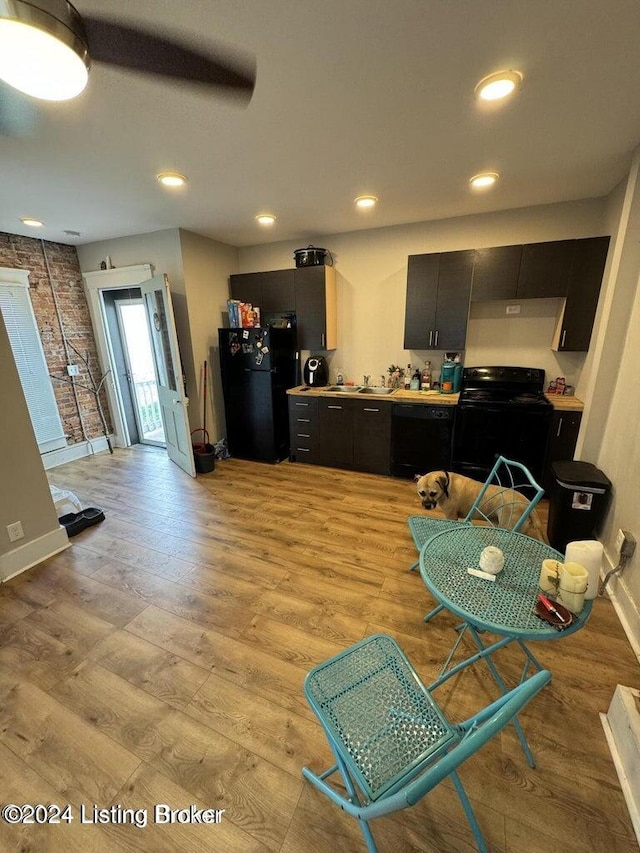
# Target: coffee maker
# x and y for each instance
(316, 371)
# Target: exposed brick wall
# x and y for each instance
(27, 253)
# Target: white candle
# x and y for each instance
(573, 585)
(588, 553)
(549, 576)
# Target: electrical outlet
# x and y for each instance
(73, 370)
(513, 309)
(625, 543)
(15, 531)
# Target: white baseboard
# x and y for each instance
(626, 609)
(621, 726)
(32, 553)
(74, 451)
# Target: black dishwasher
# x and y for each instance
(420, 438)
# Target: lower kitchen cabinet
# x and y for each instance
(372, 437)
(352, 434)
(563, 437)
(303, 429)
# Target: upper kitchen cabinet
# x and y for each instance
(316, 307)
(438, 293)
(495, 273)
(578, 311)
(545, 269)
(272, 292)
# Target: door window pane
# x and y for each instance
(160, 338)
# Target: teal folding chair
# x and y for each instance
(391, 741)
(507, 499)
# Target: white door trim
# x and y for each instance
(94, 284)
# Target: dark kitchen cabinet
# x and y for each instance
(495, 273)
(437, 307)
(545, 269)
(310, 292)
(272, 292)
(247, 287)
(339, 433)
(372, 437)
(577, 314)
(316, 307)
(563, 437)
(304, 429)
(336, 432)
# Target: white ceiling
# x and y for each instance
(352, 97)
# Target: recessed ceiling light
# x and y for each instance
(498, 85)
(33, 223)
(365, 201)
(172, 179)
(484, 180)
(43, 53)
(265, 218)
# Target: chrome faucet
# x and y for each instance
(383, 381)
(366, 380)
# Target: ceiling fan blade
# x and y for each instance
(18, 115)
(148, 53)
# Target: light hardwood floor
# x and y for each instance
(160, 659)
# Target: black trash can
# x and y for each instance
(578, 501)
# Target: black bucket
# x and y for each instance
(203, 454)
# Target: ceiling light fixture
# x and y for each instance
(31, 222)
(498, 85)
(43, 53)
(172, 179)
(265, 218)
(483, 180)
(365, 201)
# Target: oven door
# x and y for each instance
(484, 432)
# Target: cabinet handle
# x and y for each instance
(304, 420)
(303, 435)
(559, 427)
(306, 405)
(435, 343)
(431, 337)
(322, 340)
(303, 450)
(564, 335)
(335, 407)
(371, 410)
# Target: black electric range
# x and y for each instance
(502, 411)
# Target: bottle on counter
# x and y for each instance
(415, 381)
(340, 378)
(425, 379)
(407, 378)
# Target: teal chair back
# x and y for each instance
(508, 497)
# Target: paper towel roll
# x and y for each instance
(588, 553)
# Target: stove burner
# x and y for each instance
(526, 398)
(477, 395)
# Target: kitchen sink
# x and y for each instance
(376, 389)
(345, 389)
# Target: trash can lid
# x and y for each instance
(581, 475)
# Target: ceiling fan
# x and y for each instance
(47, 47)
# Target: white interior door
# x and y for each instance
(166, 357)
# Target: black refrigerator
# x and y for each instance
(257, 365)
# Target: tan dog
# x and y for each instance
(455, 494)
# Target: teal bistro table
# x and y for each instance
(504, 607)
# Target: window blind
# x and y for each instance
(17, 312)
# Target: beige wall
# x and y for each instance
(24, 490)
(207, 267)
(372, 276)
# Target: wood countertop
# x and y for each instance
(565, 403)
(432, 398)
(398, 396)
